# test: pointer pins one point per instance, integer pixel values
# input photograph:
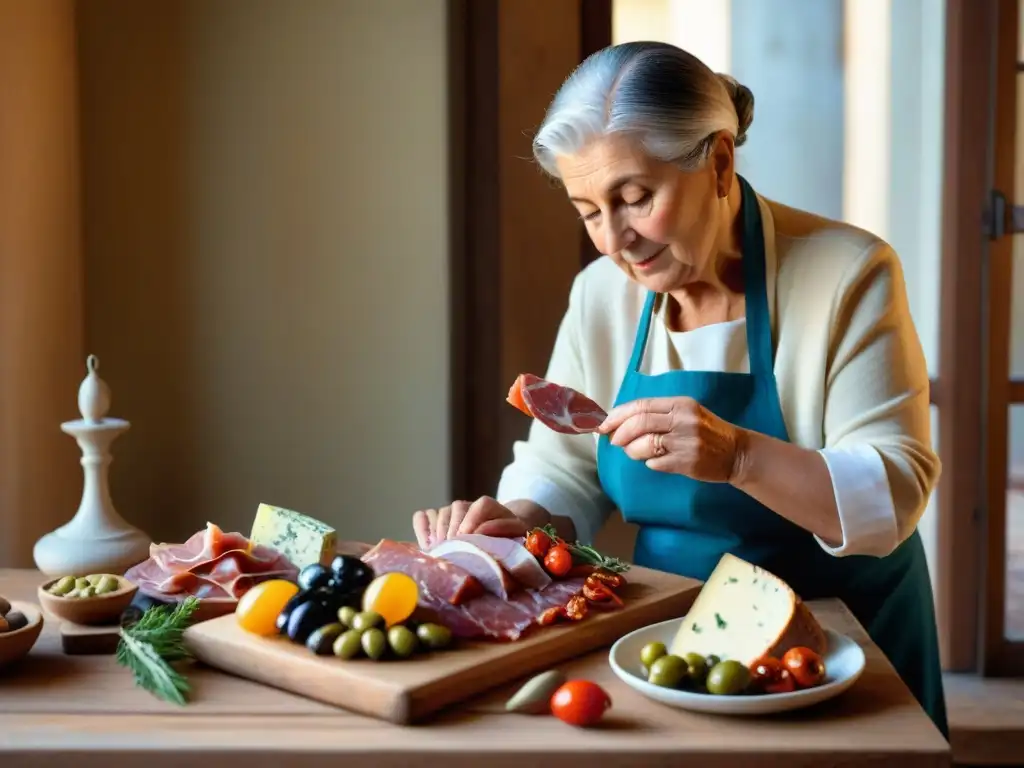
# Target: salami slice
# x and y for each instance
(559, 408)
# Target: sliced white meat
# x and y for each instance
(484, 567)
(513, 557)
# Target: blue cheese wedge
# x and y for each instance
(298, 537)
(743, 612)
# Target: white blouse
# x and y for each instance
(852, 379)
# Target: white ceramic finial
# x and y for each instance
(97, 539)
(93, 394)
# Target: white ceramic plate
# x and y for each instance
(844, 663)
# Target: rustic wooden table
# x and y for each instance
(84, 711)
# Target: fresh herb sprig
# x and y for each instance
(583, 554)
(151, 645)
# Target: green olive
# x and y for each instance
(696, 668)
(348, 644)
(94, 578)
(728, 678)
(667, 671)
(89, 591)
(346, 614)
(63, 585)
(651, 652)
(366, 620)
(81, 583)
(321, 640)
(402, 640)
(374, 643)
(106, 584)
(434, 636)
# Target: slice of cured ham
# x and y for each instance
(444, 581)
(490, 617)
(506, 555)
(485, 616)
(560, 408)
(210, 564)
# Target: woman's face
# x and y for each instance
(660, 224)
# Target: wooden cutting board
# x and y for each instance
(407, 690)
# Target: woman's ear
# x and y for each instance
(722, 161)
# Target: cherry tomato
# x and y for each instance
(558, 561)
(580, 702)
(538, 543)
(782, 683)
(806, 666)
(765, 671)
(258, 608)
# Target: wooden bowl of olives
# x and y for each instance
(98, 598)
(20, 625)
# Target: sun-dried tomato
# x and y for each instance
(551, 615)
(576, 608)
(613, 580)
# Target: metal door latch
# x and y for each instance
(1001, 217)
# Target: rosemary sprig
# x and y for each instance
(150, 646)
(583, 554)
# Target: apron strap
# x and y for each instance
(759, 328)
(642, 330)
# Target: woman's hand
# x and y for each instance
(485, 516)
(677, 434)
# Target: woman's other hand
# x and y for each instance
(485, 516)
(677, 434)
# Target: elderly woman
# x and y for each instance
(770, 391)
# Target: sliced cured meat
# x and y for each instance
(510, 554)
(478, 562)
(559, 408)
(210, 564)
(443, 581)
(490, 617)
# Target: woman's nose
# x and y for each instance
(615, 239)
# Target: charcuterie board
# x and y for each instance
(408, 690)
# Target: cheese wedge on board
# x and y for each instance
(302, 539)
(743, 612)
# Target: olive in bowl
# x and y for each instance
(93, 599)
(20, 625)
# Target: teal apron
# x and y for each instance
(686, 525)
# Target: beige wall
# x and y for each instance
(264, 192)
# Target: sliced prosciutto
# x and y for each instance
(444, 581)
(483, 616)
(495, 561)
(490, 617)
(210, 564)
(560, 408)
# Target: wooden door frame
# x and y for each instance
(508, 224)
(998, 655)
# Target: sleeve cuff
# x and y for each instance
(585, 516)
(867, 514)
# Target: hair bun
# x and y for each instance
(743, 100)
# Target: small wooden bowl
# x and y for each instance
(101, 609)
(15, 645)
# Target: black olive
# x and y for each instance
(351, 572)
(314, 575)
(296, 600)
(307, 618)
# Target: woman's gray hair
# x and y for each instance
(665, 98)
